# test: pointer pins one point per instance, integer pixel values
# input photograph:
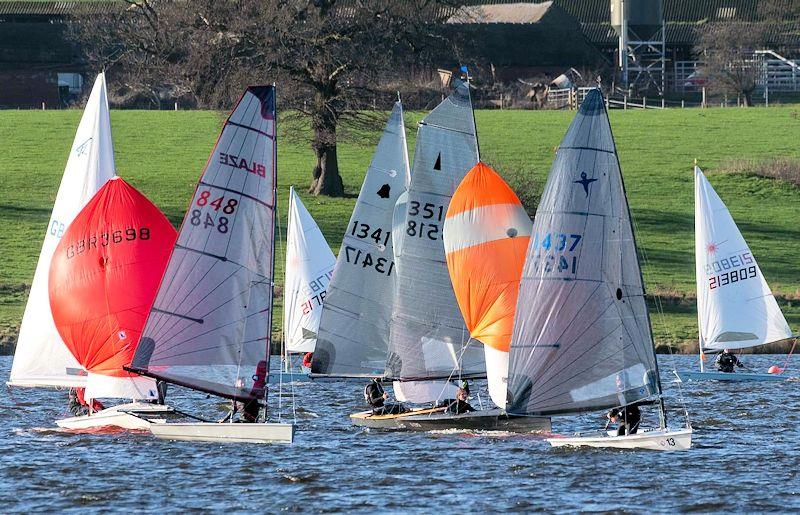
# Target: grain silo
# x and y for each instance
(642, 46)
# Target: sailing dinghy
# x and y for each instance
(210, 325)
(41, 358)
(429, 344)
(735, 306)
(353, 337)
(103, 278)
(309, 268)
(582, 339)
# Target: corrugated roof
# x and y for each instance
(519, 12)
(598, 11)
(13, 7)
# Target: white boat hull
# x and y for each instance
(654, 440)
(685, 376)
(119, 416)
(224, 432)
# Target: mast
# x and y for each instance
(662, 409)
(209, 328)
(272, 249)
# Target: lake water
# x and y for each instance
(744, 458)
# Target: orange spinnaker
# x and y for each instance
(486, 235)
(105, 274)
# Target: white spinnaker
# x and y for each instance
(735, 306)
(41, 358)
(309, 268)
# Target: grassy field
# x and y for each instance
(162, 154)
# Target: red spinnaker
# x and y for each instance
(105, 273)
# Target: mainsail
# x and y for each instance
(209, 328)
(582, 338)
(428, 337)
(486, 235)
(354, 330)
(103, 279)
(309, 268)
(735, 306)
(41, 358)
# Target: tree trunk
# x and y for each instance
(327, 180)
(747, 96)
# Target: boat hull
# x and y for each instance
(433, 419)
(654, 440)
(224, 432)
(132, 416)
(685, 376)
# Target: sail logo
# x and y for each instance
(585, 182)
(241, 163)
(83, 148)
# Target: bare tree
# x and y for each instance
(727, 49)
(333, 58)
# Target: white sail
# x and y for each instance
(354, 327)
(41, 358)
(309, 268)
(735, 307)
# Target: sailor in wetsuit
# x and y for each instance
(628, 417)
(726, 361)
(458, 405)
(78, 405)
(376, 398)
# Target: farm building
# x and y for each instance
(38, 63)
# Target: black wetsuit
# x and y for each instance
(455, 406)
(629, 418)
(373, 394)
(726, 361)
(75, 407)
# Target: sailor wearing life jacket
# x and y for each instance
(376, 397)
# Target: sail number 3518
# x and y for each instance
(227, 206)
(422, 228)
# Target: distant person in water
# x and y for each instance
(307, 359)
(458, 405)
(78, 405)
(376, 397)
(726, 361)
(628, 418)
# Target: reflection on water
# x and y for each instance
(745, 458)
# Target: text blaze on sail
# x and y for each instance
(104, 276)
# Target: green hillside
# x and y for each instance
(162, 154)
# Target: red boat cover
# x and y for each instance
(105, 274)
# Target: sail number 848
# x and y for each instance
(227, 206)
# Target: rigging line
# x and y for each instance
(662, 321)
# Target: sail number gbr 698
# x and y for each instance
(425, 214)
(226, 205)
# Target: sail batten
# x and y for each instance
(353, 336)
(41, 358)
(429, 338)
(735, 306)
(209, 327)
(582, 338)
